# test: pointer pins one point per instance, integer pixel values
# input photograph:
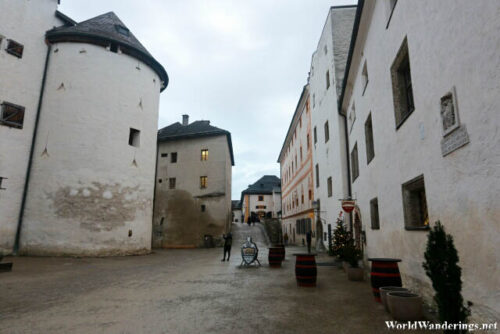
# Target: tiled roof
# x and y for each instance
(102, 30)
(235, 205)
(264, 185)
(196, 129)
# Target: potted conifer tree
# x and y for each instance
(352, 255)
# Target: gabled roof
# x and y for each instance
(264, 185)
(104, 30)
(196, 129)
(235, 205)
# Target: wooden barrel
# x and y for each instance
(385, 272)
(281, 251)
(305, 269)
(274, 257)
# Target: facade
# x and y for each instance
(423, 137)
(193, 184)
(328, 127)
(260, 200)
(77, 133)
(237, 212)
(296, 166)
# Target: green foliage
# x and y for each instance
(340, 238)
(351, 253)
(441, 266)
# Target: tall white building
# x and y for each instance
(421, 97)
(328, 127)
(193, 184)
(78, 122)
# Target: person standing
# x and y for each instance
(228, 242)
(308, 240)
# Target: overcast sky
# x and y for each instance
(240, 64)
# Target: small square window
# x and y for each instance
(159, 180)
(203, 182)
(134, 137)
(171, 183)
(15, 48)
(122, 30)
(173, 157)
(327, 132)
(374, 214)
(11, 115)
(330, 186)
(415, 204)
(1, 181)
(317, 175)
(327, 79)
(315, 135)
(203, 208)
(261, 198)
(354, 162)
(164, 155)
(204, 155)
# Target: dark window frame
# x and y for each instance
(134, 137)
(329, 183)
(370, 145)
(317, 176)
(415, 209)
(15, 110)
(327, 79)
(172, 183)
(11, 49)
(315, 135)
(173, 157)
(354, 162)
(374, 214)
(402, 85)
(327, 132)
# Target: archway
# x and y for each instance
(358, 229)
(320, 246)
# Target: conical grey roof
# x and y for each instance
(103, 30)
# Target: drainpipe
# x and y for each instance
(348, 159)
(154, 193)
(32, 151)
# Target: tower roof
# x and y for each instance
(265, 185)
(104, 30)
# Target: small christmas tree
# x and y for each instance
(441, 265)
(340, 239)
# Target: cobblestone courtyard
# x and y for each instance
(182, 291)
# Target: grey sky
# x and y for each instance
(239, 64)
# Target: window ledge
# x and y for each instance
(364, 89)
(417, 228)
(403, 120)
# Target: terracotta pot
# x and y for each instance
(405, 306)
(386, 289)
(355, 274)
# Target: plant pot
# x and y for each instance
(345, 265)
(355, 274)
(405, 306)
(384, 290)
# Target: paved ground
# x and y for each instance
(182, 291)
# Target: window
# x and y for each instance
(171, 183)
(327, 132)
(310, 194)
(308, 142)
(300, 122)
(203, 182)
(352, 116)
(330, 186)
(164, 155)
(315, 135)
(314, 100)
(327, 79)
(173, 157)
(301, 153)
(317, 175)
(11, 115)
(1, 180)
(302, 198)
(203, 208)
(364, 75)
(134, 137)
(113, 47)
(374, 214)
(15, 48)
(159, 180)
(370, 149)
(122, 30)
(261, 198)
(204, 155)
(415, 204)
(354, 162)
(402, 90)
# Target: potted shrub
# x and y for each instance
(340, 237)
(352, 255)
(441, 266)
(384, 290)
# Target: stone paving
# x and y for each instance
(182, 291)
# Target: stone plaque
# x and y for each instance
(454, 140)
(449, 112)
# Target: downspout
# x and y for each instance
(154, 194)
(32, 151)
(348, 160)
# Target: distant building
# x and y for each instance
(296, 165)
(421, 98)
(261, 200)
(78, 117)
(193, 184)
(328, 127)
(237, 212)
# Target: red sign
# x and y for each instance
(348, 206)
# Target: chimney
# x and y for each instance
(185, 119)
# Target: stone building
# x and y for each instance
(193, 184)
(296, 166)
(261, 200)
(79, 112)
(421, 97)
(237, 212)
(328, 127)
